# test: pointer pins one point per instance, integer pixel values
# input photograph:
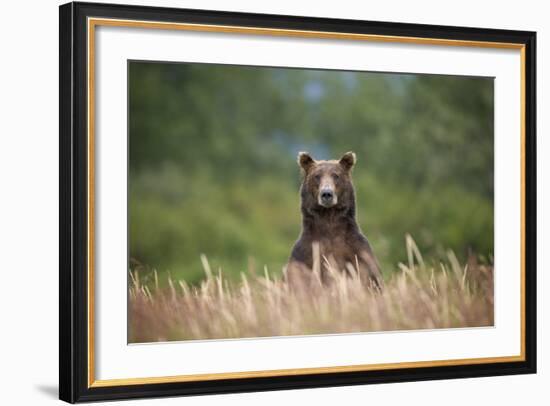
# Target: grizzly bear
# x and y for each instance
(329, 228)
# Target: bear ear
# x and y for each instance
(305, 161)
(348, 160)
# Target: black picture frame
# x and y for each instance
(74, 199)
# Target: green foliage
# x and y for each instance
(213, 161)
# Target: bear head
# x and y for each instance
(326, 184)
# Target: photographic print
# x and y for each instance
(267, 202)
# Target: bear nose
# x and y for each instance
(327, 194)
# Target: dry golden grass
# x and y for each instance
(418, 296)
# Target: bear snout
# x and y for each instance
(327, 197)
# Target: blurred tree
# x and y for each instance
(213, 170)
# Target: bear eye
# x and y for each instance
(317, 178)
(335, 176)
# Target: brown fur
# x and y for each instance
(328, 219)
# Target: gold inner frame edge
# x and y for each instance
(93, 22)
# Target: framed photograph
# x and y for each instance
(256, 202)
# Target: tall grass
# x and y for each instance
(418, 296)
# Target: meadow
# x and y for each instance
(417, 295)
(214, 203)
